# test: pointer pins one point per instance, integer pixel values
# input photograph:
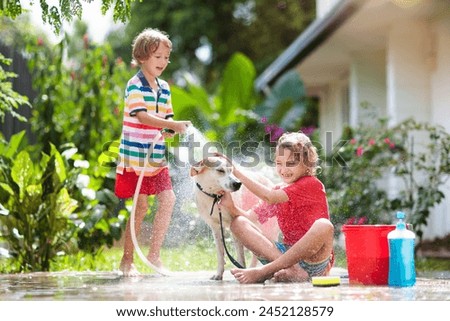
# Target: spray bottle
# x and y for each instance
(401, 255)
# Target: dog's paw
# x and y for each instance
(216, 277)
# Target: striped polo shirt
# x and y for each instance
(137, 137)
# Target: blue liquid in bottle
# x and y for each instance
(402, 271)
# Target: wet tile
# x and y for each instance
(195, 286)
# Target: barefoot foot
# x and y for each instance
(248, 276)
(157, 263)
(128, 269)
(292, 274)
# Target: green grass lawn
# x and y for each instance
(190, 257)
(200, 256)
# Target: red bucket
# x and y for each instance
(367, 252)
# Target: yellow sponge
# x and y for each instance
(326, 281)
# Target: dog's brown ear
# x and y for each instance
(197, 168)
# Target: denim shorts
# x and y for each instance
(312, 268)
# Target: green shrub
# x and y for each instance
(48, 208)
(413, 157)
(35, 208)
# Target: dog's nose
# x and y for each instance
(236, 185)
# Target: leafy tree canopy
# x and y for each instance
(260, 29)
(66, 10)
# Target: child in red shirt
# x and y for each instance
(305, 248)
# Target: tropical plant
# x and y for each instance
(35, 206)
(49, 207)
(287, 107)
(236, 111)
(78, 106)
(77, 112)
(227, 114)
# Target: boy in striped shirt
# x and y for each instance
(148, 111)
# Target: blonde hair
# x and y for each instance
(303, 150)
(147, 42)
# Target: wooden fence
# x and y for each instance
(23, 85)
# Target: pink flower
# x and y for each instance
(356, 220)
(350, 221)
(362, 220)
(359, 151)
(278, 132)
(371, 142)
(274, 131)
(268, 128)
(264, 120)
(308, 131)
(390, 143)
(353, 141)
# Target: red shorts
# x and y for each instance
(151, 185)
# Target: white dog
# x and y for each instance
(212, 176)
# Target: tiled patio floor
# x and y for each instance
(187, 286)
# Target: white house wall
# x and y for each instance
(367, 87)
(418, 86)
(440, 79)
(439, 60)
(330, 112)
(396, 60)
(408, 74)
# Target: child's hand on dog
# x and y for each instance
(236, 169)
(219, 154)
(227, 202)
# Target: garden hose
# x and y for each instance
(141, 255)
